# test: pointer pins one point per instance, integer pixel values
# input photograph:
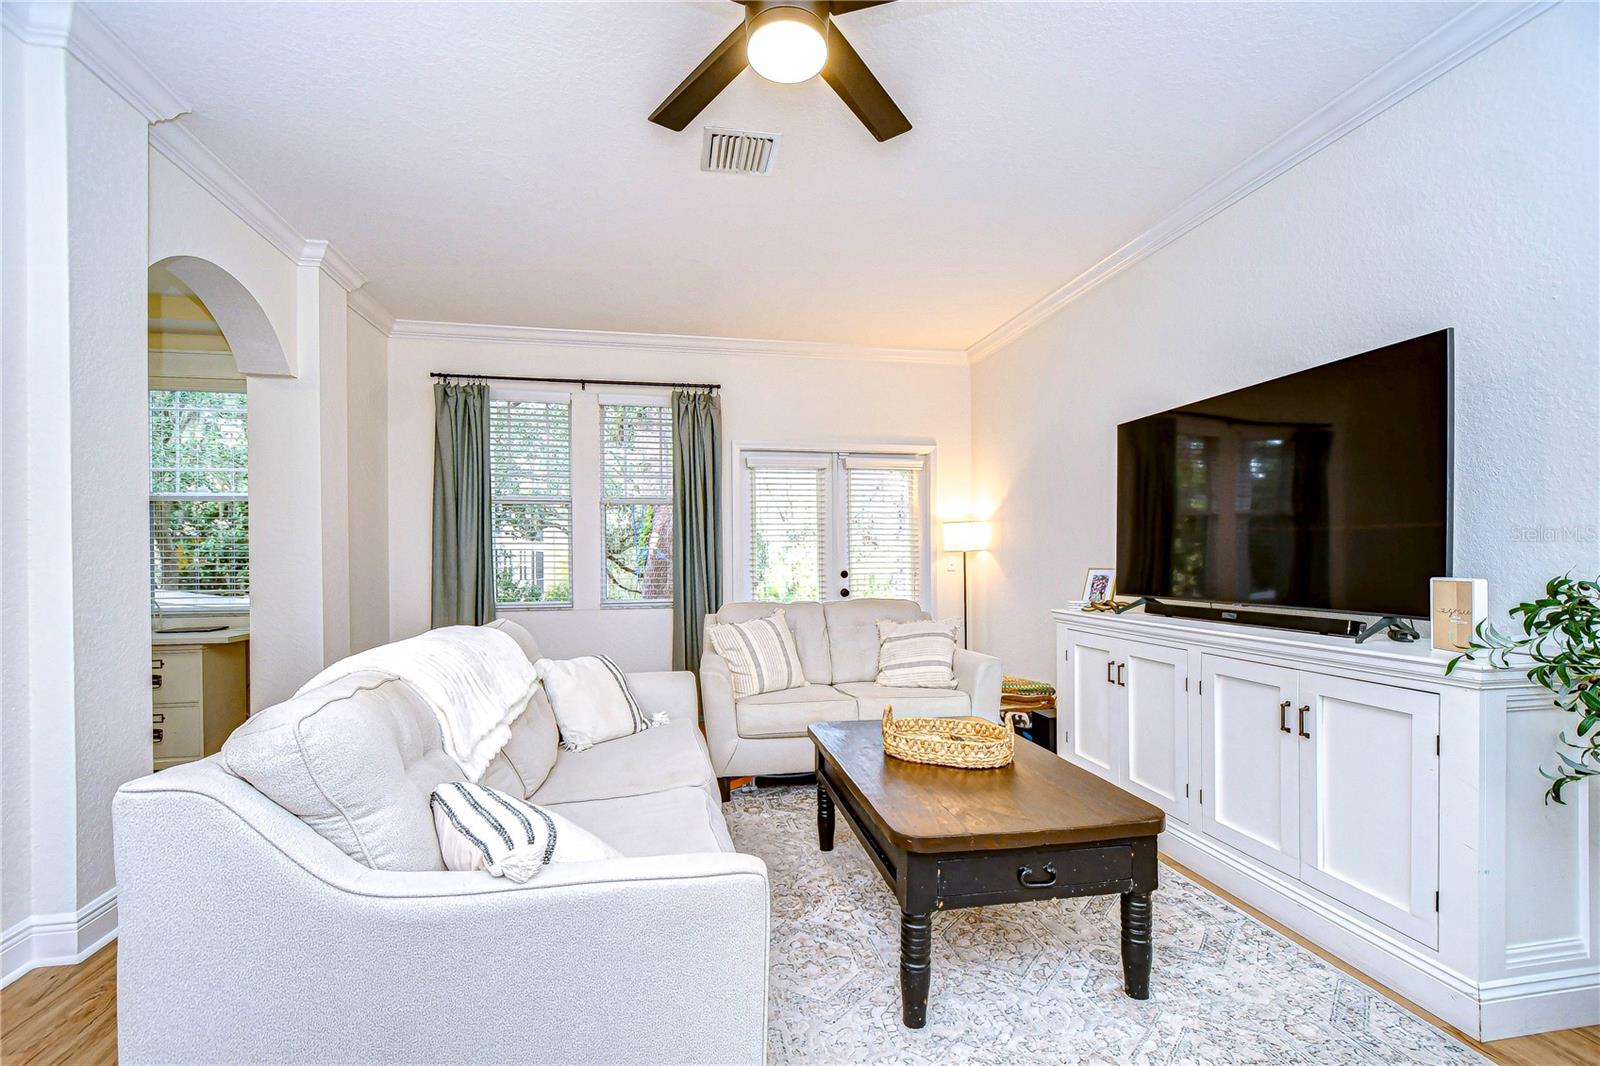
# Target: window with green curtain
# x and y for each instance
(530, 473)
(199, 500)
(636, 502)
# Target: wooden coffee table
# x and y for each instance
(943, 838)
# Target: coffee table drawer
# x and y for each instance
(1034, 873)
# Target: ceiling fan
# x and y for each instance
(789, 41)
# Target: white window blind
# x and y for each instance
(530, 471)
(199, 500)
(636, 502)
(885, 528)
(788, 523)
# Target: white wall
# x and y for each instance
(368, 381)
(76, 650)
(767, 399)
(1470, 204)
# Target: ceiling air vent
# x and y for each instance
(738, 151)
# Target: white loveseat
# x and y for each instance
(249, 935)
(838, 647)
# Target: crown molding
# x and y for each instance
(363, 303)
(1458, 40)
(670, 343)
(75, 28)
(328, 259)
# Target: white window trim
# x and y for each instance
(631, 399)
(557, 396)
(783, 453)
(224, 604)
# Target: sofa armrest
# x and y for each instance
(246, 937)
(669, 692)
(978, 675)
(716, 703)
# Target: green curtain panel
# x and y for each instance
(463, 549)
(696, 521)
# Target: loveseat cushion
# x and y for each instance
(356, 760)
(530, 751)
(788, 713)
(667, 756)
(871, 698)
(853, 634)
(520, 634)
(679, 821)
(806, 623)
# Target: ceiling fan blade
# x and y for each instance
(712, 76)
(844, 7)
(848, 75)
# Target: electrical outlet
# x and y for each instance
(951, 566)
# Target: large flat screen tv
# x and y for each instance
(1326, 490)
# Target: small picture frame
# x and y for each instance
(1100, 585)
(1456, 607)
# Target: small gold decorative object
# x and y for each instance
(1100, 605)
(967, 743)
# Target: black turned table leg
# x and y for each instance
(1136, 944)
(824, 818)
(915, 949)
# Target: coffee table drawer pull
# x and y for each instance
(1026, 879)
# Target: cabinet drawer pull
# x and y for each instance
(1120, 668)
(1026, 879)
(1109, 665)
(1283, 716)
(157, 717)
(155, 680)
(157, 735)
(1305, 709)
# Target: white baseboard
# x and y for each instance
(58, 939)
(1517, 1006)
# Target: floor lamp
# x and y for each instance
(965, 537)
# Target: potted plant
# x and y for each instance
(1561, 637)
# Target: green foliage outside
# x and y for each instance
(199, 484)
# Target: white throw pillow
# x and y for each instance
(917, 654)
(591, 701)
(485, 829)
(761, 654)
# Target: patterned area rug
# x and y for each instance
(1042, 982)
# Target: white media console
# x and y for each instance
(1390, 814)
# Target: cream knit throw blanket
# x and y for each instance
(476, 680)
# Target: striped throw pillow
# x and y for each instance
(917, 654)
(484, 829)
(761, 654)
(591, 701)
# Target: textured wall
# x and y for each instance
(1469, 204)
(368, 380)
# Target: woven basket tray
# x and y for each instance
(967, 743)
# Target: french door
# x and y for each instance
(832, 525)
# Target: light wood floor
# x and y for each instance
(68, 1014)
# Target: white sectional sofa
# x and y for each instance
(252, 931)
(838, 647)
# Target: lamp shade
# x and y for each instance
(966, 536)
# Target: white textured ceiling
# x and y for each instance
(493, 163)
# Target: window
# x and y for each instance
(530, 472)
(199, 500)
(830, 525)
(636, 502)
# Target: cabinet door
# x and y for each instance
(1156, 724)
(1088, 714)
(1369, 800)
(1249, 763)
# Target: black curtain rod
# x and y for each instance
(582, 382)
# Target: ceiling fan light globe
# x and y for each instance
(787, 46)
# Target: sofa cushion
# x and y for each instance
(530, 751)
(356, 760)
(788, 713)
(853, 634)
(806, 622)
(679, 821)
(524, 639)
(871, 698)
(667, 756)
